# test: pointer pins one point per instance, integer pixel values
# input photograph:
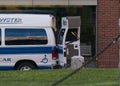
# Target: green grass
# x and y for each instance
(85, 77)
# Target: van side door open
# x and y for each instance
(69, 40)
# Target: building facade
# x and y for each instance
(99, 17)
(107, 29)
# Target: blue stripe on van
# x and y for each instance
(26, 50)
(60, 50)
(6, 67)
(12, 67)
(45, 67)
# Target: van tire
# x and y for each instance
(25, 66)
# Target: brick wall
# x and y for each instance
(107, 28)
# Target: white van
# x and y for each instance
(27, 42)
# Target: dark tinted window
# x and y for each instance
(72, 35)
(61, 36)
(25, 36)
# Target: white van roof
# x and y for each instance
(42, 20)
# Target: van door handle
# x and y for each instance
(64, 48)
(64, 54)
(76, 46)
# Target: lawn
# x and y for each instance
(85, 77)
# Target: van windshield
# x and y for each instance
(61, 35)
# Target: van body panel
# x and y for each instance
(43, 20)
(22, 40)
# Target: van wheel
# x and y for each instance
(25, 66)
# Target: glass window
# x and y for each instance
(25, 36)
(72, 35)
(61, 36)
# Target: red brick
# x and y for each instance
(108, 15)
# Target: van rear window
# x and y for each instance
(21, 36)
(70, 36)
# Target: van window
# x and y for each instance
(15, 36)
(60, 39)
(70, 36)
